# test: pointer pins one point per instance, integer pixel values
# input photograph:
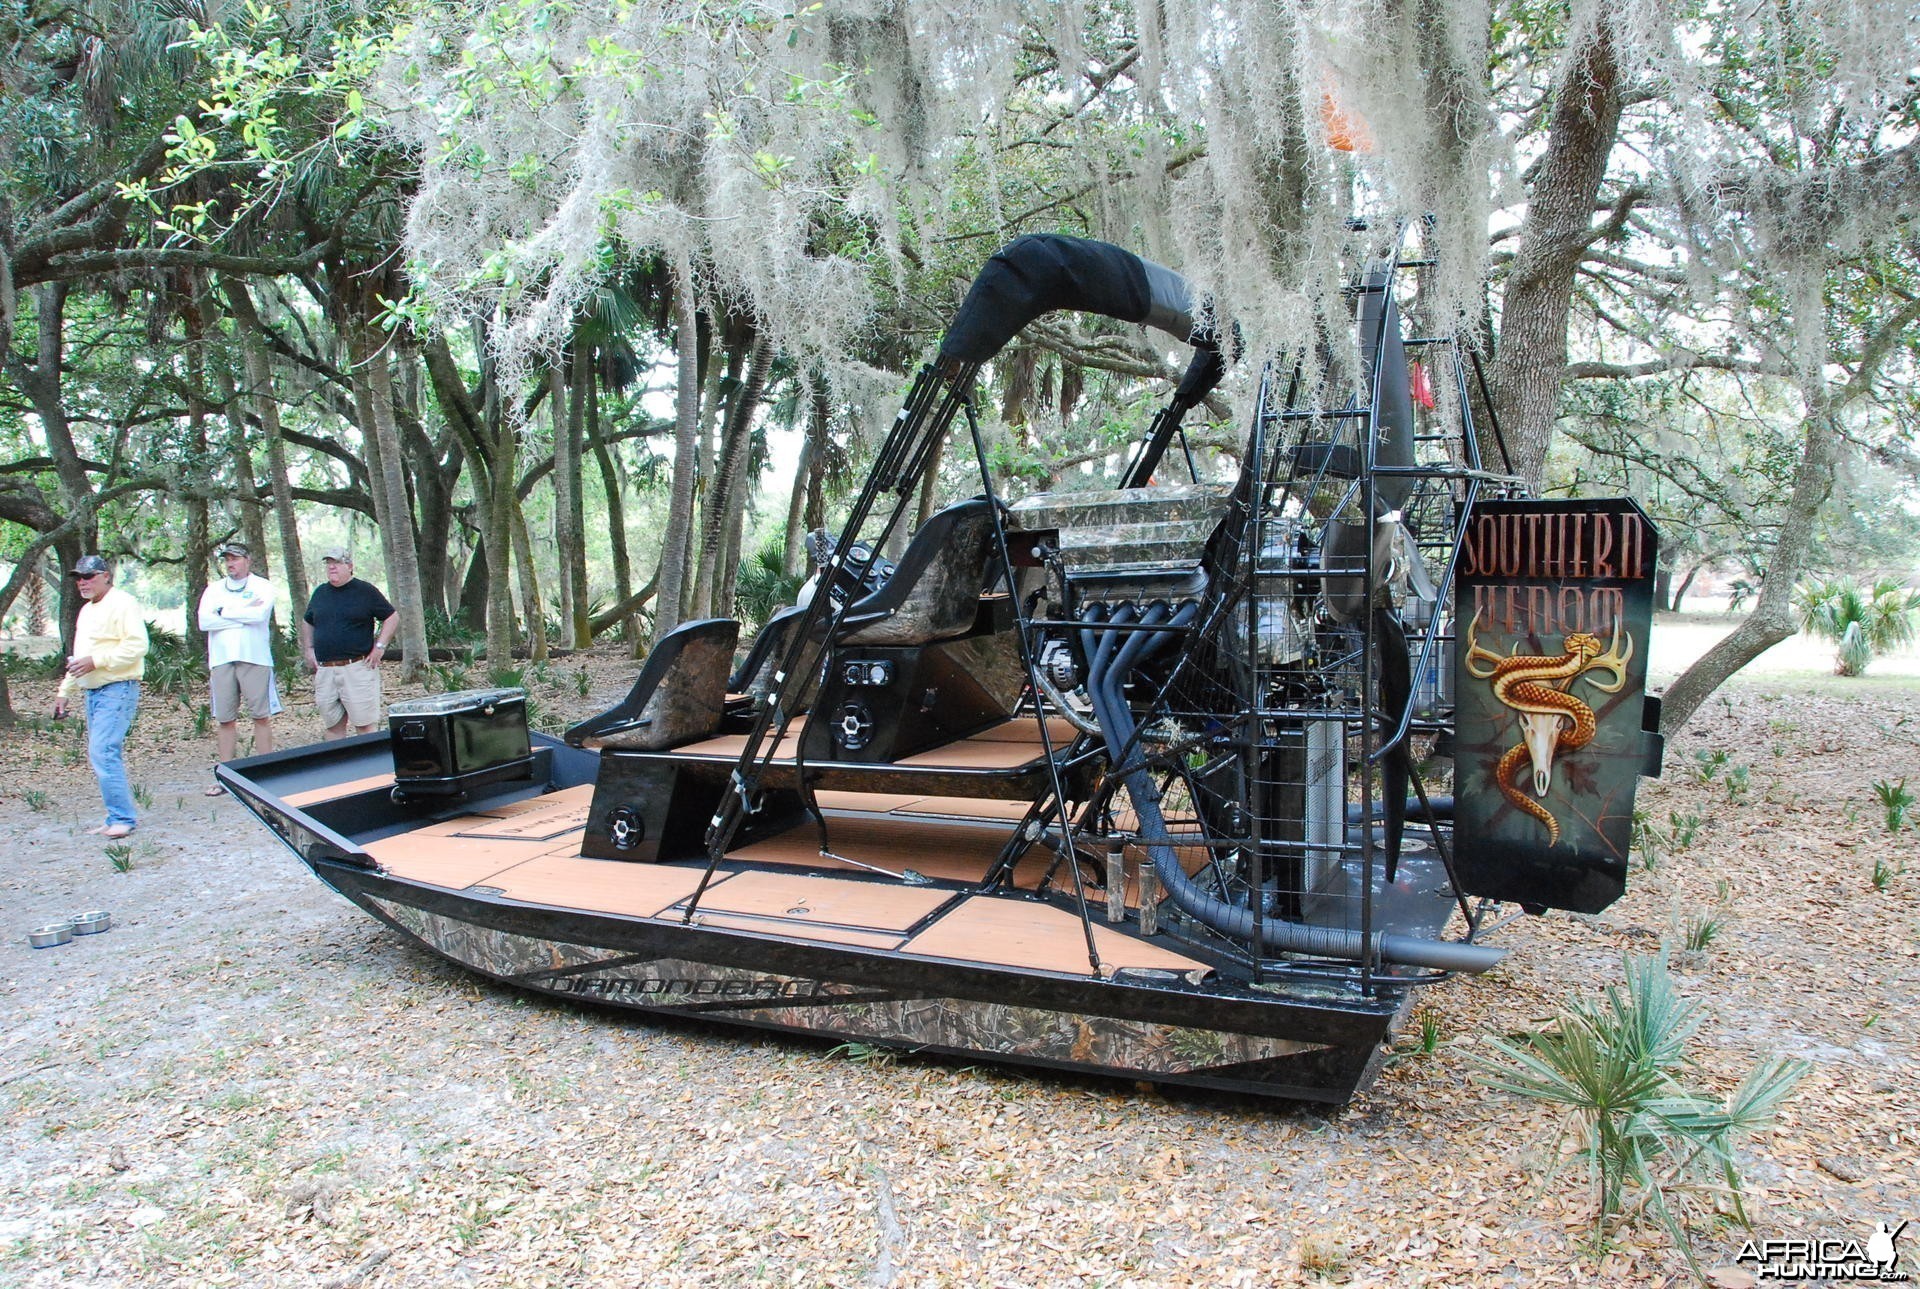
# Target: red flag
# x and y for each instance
(1422, 387)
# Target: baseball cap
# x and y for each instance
(230, 548)
(88, 565)
(338, 554)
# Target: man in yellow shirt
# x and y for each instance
(109, 657)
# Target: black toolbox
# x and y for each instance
(450, 744)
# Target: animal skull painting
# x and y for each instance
(1553, 721)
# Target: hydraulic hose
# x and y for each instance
(1106, 680)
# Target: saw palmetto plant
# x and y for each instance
(1863, 622)
(1653, 1147)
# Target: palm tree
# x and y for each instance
(1864, 622)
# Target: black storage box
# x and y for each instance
(452, 743)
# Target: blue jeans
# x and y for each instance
(110, 710)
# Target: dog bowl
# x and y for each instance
(92, 922)
(45, 937)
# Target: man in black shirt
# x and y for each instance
(338, 636)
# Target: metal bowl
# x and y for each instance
(45, 937)
(92, 922)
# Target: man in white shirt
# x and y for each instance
(235, 612)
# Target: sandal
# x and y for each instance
(97, 829)
(215, 791)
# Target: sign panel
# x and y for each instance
(1554, 604)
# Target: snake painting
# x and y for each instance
(1553, 721)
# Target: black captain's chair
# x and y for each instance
(934, 592)
(680, 695)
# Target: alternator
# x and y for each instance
(1057, 665)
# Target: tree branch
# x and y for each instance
(74, 267)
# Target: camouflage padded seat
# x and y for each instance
(934, 593)
(680, 695)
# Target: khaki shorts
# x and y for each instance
(233, 681)
(351, 693)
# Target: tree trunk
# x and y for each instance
(790, 539)
(814, 515)
(267, 407)
(727, 571)
(36, 608)
(431, 481)
(1686, 584)
(502, 506)
(929, 488)
(253, 530)
(1531, 361)
(373, 391)
(497, 529)
(616, 517)
(492, 448)
(1772, 618)
(471, 609)
(531, 604)
(726, 495)
(67, 552)
(686, 446)
(629, 606)
(568, 473)
(42, 381)
(561, 535)
(732, 344)
(198, 556)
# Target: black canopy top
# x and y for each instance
(1044, 272)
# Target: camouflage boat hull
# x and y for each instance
(1156, 1030)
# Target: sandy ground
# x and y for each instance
(246, 1081)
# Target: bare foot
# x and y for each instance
(118, 831)
(96, 830)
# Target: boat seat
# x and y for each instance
(755, 674)
(680, 695)
(934, 592)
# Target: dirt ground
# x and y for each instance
(247, 1081)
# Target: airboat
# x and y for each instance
(1194, 777)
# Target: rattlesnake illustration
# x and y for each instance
(1552, 721)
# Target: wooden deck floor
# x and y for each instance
(1006, 746)
(530, 851)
